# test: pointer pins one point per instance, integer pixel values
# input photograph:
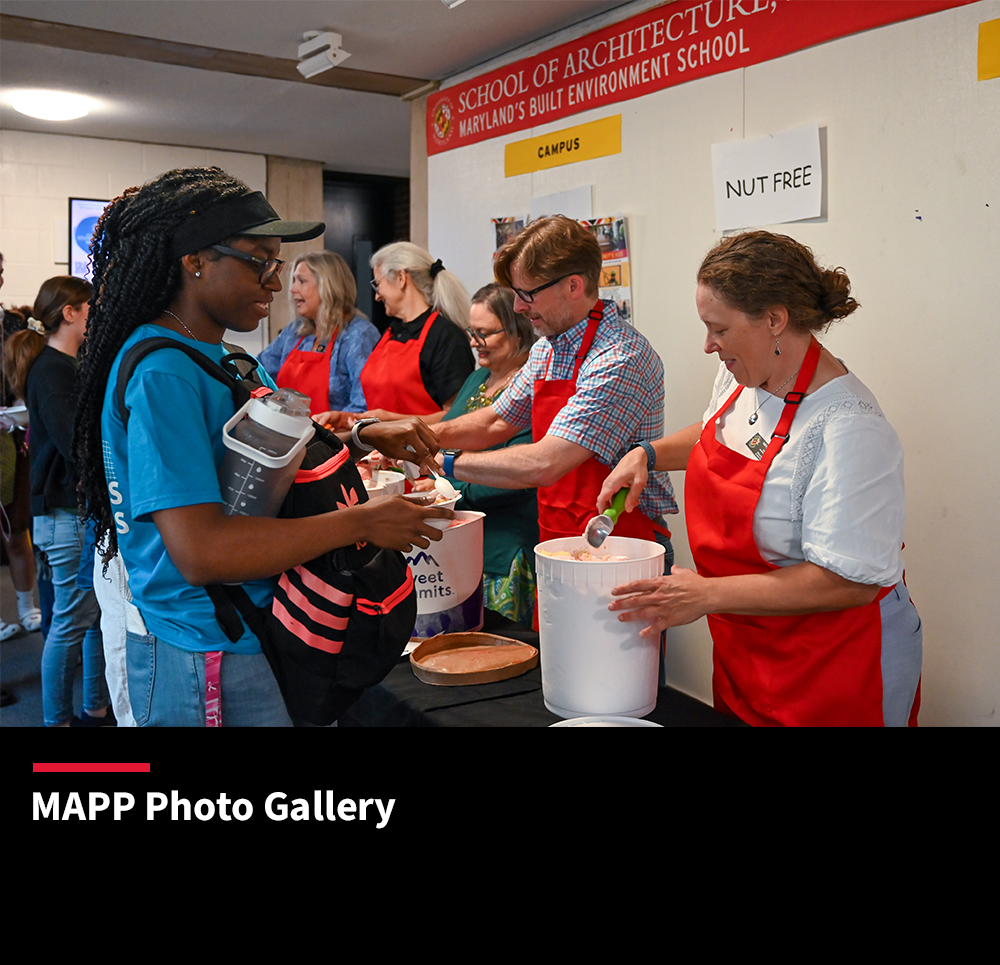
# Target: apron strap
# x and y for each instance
(594, 319)
(792, 400)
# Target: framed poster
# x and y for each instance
(83, 215)
(505, 228)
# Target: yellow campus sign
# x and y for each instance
(989, 49)
(580, 143)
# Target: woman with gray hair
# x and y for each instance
(423, 357)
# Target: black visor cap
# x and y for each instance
(249, 214)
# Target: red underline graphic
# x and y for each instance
(89, 767)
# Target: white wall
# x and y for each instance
(913, 215)
(40, 172)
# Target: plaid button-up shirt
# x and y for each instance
(618, 400)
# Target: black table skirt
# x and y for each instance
(402, 700)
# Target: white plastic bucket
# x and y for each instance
(448, 576)
(592, 664)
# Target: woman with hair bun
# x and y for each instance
(322, 352)
(423, 357)
(795, 512)
(41, 366)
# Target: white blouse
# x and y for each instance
(834, 494)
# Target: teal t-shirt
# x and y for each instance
(169, 457)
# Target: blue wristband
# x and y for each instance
(449, 461)
(650, 454)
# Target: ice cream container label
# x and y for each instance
(448, 577)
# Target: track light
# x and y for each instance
(320, 52)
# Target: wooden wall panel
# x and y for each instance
(295, 190)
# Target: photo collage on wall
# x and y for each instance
(616, 282)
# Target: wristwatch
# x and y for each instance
(650, 454)
(356, 441)
(449, 460)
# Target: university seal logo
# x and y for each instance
(442, 121)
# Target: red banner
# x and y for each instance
(662, 47)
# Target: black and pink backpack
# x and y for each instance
(338, 623)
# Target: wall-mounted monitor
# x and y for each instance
(83, 215)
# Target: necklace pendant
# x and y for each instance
(753, 419)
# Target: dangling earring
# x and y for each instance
(777, 351)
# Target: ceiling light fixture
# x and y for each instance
(320, 52)
(451, 4)
(51, 105)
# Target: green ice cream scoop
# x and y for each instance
(600, 527)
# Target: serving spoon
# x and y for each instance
(600, 527)
(442, 485)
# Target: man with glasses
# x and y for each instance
(592, 389)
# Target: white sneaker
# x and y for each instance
(8, 630)
(31, 619)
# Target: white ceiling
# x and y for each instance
(346, 130)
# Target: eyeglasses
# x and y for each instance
(269, 268)
(480, 337)
(529, 296)
(376, 282)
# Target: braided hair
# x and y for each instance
(135, 279)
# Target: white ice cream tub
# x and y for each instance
(593, 664)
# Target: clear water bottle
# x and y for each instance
(263, 452)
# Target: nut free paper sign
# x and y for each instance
(768, 180)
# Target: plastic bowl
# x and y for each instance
(394, 482)
(445, 504)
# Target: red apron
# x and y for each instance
(391, 377)
(565, 507)
(309, 373)
(815, 669)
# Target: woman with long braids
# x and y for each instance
(187, 256)
(41, 364)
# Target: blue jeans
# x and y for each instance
(75, 623)
(166, 687)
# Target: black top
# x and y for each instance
(51, 402)
(446, 358)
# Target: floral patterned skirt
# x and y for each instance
(512, 594)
